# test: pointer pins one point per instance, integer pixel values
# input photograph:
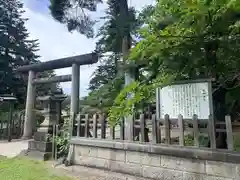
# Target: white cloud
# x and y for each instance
(56, 42)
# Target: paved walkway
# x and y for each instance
(12, 149)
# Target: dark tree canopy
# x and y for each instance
(74, 14)
(16, 49)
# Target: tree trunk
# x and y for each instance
(126, 41)
(219, 103)
(116, 63)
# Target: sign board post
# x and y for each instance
(186, 98)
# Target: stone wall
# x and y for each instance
(156, 161)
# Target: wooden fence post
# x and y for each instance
(229, 132)
(132, 126)
(122, 124)
(95, 124)
(53, 141)
(103, 126)
(195, 130)
(155, 137)
(181, 130)
(212, 131)
(2, 130)
(112, 132)
(86, 125)
(81, 126)
(159, 131)
(167, 129)
(142, 127)
(56, 150)
(78, 125)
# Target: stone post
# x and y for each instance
(75, 88)
(28, 123)
(74, 95)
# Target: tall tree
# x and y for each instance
(15, 50)
(110, 42)
(199, 40)
(107, 77)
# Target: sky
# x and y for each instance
(56, 42)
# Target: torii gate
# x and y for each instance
(75, 62)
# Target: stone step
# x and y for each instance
(40, 146)
(34, 154)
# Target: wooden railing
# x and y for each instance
(167, 131)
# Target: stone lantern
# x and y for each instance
(41, 144)
(51, 111)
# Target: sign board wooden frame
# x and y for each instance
(186, 98)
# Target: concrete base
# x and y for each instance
(26, 137)
(39, 148)
(34, 154)
(156, 161)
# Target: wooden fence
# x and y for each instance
(12, 130)
(167, 131)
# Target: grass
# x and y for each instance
(25, 169)
(236, 142)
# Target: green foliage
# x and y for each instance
(62, 139)
(189, 140)
(102, 99)
(3, 116)
(195, 39)
(108, 80)
(131, 97)
(62, 143)
(197, 28)
(104, 73)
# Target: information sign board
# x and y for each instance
(185, 99)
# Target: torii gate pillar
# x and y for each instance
(75, 62)
(74, 109)
(30, 101)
